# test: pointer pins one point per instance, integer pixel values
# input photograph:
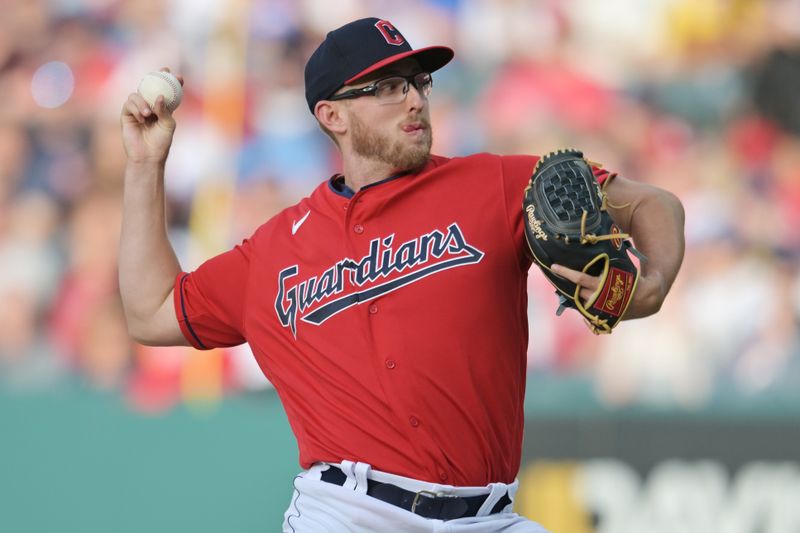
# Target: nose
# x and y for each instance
(414, 98)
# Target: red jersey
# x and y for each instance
(393, 324)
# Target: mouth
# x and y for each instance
(414, 128)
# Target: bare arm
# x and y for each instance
(147, 262)
(654, 218)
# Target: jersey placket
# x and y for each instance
(390, 368)
(357, 237)
(355, 222)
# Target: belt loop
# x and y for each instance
(348, 467)
(315, 472)
(512, 489)
(361, 472)
(498, 490)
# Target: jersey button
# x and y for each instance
(345, 206)
(373, 309)
(414, 421)
(443, 476)
(390, 364)
(358, 228)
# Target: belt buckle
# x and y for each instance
(418, 495)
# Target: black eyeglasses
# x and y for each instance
(392, 90)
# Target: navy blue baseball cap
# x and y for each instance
(358, 48)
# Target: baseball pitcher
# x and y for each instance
(388, 308)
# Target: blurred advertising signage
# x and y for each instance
(609, 496)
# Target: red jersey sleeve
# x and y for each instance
(517, 171)
(209, 302)
(601, 174)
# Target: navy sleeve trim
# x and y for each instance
(186, 318)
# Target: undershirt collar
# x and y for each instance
(338, 186)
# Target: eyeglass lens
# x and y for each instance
(395, 89)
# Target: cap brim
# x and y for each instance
(431, 58)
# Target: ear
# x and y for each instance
(330, 115)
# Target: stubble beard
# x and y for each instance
(402, 157)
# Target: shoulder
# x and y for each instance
(483, 160)
(283, 221)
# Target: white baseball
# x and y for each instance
(156, 84)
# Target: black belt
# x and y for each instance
(423, 503)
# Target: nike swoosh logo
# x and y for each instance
(296, 225)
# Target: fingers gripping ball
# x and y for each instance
(566, 223)
(156, 84)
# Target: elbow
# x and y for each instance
(652, 304)
(643, 306)
(140, 332)
(158, 329)
(678, 207)
(674, 205)
(146, 320)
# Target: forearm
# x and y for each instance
(657, 226)
(147, 261)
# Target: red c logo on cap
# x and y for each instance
(390, 33)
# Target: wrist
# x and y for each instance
(146, 163)
(138, 171)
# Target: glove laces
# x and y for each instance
(591, 238)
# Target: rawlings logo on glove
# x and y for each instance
(566, 223)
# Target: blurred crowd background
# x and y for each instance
(700, 97)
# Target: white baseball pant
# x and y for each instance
(321, 507)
